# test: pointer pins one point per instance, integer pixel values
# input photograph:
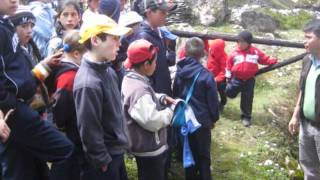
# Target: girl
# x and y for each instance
(64, 109)
(68, 18)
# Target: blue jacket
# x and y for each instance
(160, 80)
(44, 27)
(204, 100)
(16, 79)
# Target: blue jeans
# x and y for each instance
(32, 143)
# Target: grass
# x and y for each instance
(265, 150)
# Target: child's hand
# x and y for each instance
(53, 60)
(169, 100)
(4, 128)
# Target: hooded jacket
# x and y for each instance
(217, 58)
(204, 100)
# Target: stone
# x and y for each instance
(258, 22)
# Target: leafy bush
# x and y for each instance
(290, 21)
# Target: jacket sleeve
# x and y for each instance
(145, 113)
(88, 102)
(264, 59)
(229, 65)
(212, 99)
(63, 98)
(7, 99)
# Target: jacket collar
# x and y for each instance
(94, 65)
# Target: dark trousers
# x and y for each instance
(200, 142)
(151, 167)
(32, 143)
(116, 170)
(247, 92)
(221, 90)
(70, 168)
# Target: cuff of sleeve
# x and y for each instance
(41, 71)
(228, 74)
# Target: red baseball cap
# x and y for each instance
(139, 51)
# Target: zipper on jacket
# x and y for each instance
(156, 136)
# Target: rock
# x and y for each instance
(205, 12)
(255, 21)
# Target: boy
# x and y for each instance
(145, 112)
(155, 14)
(242, 66)
(97, 100)
(204, 103)
(32, 141)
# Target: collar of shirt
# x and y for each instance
(315, 61)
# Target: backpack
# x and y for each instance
(179, 118)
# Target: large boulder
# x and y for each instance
(259, 22)
(205, 12)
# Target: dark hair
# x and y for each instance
(87, 43)
(138, 65)
(194, 48)
(58, 25)
(313, 26)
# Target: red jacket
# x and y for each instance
(217, 58)
(244, 64)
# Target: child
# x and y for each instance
(204, 103)
(216, 64)
(64, 112)
(130, 19)
(98, 102)
(24, 21)
(44, 27)
(145, 112)
(155, 14)
(242, 65)
(68, 18)
(31, 139)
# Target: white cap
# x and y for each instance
(130, 18)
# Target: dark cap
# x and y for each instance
(156, 4)
(245, 36)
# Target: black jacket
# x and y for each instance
(16, 79)
(99, 112)
(306, 64)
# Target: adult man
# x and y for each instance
(307, 110)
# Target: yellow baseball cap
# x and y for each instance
(98, 23)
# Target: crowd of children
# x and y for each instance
(94, 89)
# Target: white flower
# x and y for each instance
(268, 162)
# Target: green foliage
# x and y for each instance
(291, 21)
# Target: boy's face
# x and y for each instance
(243, 45)
(69, 18)
(157, 17)
(24, 32)
(311, 43)
(150, 68)
(8, 7)
(108, 49)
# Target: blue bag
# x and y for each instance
(179, 118)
